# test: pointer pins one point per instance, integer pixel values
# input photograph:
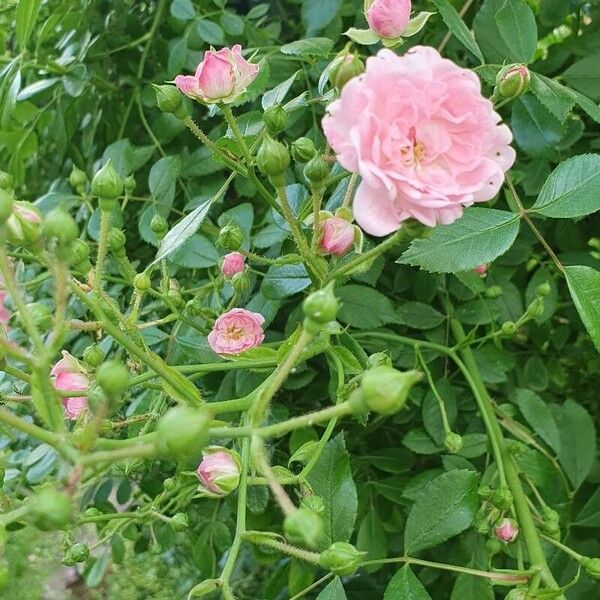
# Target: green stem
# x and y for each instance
(349, 266)
(523, 512)
(102, 248)
(14, 515)
(237, 134)
(133, 451)
(306, 555)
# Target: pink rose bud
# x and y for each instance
(4, 312)
(219, 471)
(69, 376)
(388, 18)
(425, 167)
(235, 331)
(233, 263)
(507, 531)
(221, 77)
(512, 81)
(481, 270)
(24, 225)
(338, 236)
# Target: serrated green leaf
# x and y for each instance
(539, 417)
(480, 236)
(516, 24)
(458, 28)
(308, 47)
(537, 131)
(584, 76)
(405, 585)
(363, 307)
(445, 508)
(554, 96)
(334, 590)
(284, 280)
(584, 285)
(572, 190)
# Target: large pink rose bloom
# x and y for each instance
(235, 331)
(69, 376)
(388, 18)
(423, 138)
(221, 77)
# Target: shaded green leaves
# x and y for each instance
(404, 584)
(577, 441)
(590, 513)
(445, 507)
(334, 590)
(308, 47)
(539, 417)
(284, 280)
(25, 16)
(584, 285)
(554, 96)
(317, 14)
(458, 28)
(584, 76)
(516, 24)
(364, 307)
(480, 236)
(331, 479)
(572, 190)
(537, 132)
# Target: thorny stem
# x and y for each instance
(105, 216)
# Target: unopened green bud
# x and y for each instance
(79, 553)
(77, 178)
(493, 546)
(536, 308)
(484, 492)
(453, 442)
(41, 315)
(303, 527)
(107, 185)
(6, 181)
(80, 250)
(543, 289)
(316, 171)
(509, 328)
(379, 359)
(341, 558)
(93, 355)
(591, 566)
(303, 149)
(517, 594)
(494, 291)
(159, 225)
(170, 484)
(170, 100)
(182, 432)
(321, 306)
(112, 376)
(273, 159)
(179, 522)
(49, 509)
(275, 119)
(230, 237)
(502, 498)
(385, 389)
(59, 224)
(116, 240)
(142, 282)
(313, 503)
(512, 81)
(6, 204)
(24, 226)
(345, 67)
(129, 184)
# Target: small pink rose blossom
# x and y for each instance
(233, 263)
(221, 77)
(388, 18)
(481, 270)
(70, 376)
(424, 140)
(235, 331)
(338, 236)
(507, 531)
(219, 472)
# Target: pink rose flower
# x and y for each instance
(338, 236)
(481, 270)
(4, 314)
(388, 18)
(507, 531)
(235, 331)
(70, 376)
(232, 264)
(219, 471)
(423, 138)
(221, 77)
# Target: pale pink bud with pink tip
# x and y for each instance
(219, 471)
(388, 18)
(221, 77)
(69, 376)
(235, 331)
(338, 236)
(507, 531)
(233, 263)
(4, 313)
(481, 270)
